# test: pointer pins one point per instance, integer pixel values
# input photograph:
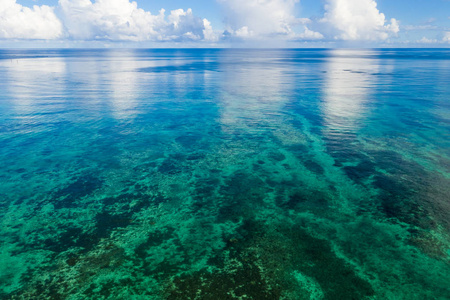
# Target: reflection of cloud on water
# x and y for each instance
(123, 83)
(30, 85)
(253, 93)
(347, 89)
(107, 78)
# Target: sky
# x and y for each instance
(224, 23)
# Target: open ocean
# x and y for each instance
(225, 174)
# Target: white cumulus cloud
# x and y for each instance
(310, 35)
(357, 20)
(123, 20)
(113, 20)
(253, 20)
(208, 32)
(425, 40)
(446, 38)
(264, 18)
(19, 22)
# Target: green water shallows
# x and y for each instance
(225, 174)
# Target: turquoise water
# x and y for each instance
(225, 174)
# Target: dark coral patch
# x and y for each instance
(315, 258)
(107, 222)
(362, 171)
(83, 186)
(314, 167)
(245, 281)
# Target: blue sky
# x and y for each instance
(225, 23)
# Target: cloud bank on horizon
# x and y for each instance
(244, 21)
(358, 20)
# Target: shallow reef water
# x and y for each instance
(225, 174)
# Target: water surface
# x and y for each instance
(225, 174)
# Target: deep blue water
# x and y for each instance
(225, 174)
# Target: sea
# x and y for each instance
(225, 174)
